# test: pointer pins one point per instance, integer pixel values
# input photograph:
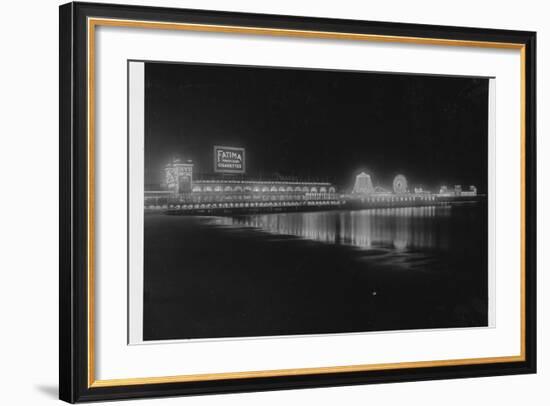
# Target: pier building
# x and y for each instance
(184, 190)
(229, 189)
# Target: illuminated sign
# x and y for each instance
(229, 159)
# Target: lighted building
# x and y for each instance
(185, 190)
(363, 184)
(472, 191)
(420, 191)
(444, 191)
(179, 176)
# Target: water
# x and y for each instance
(315, 272)
(399, 228)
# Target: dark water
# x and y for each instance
(317, 272)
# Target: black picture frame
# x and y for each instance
(74, 289)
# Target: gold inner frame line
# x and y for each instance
(92, 23)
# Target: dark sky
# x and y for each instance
(319, 125)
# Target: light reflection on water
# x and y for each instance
(396, 228)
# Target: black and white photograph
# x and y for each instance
(258, 200)
(285, 201)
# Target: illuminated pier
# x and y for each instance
(182, 193)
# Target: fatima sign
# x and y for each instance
(229, 159)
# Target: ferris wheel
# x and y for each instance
(400, 184)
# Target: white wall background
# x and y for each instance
(29, 189)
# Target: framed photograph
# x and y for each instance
(256, 202)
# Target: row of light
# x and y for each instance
(272, 182)
(241, 205)
(213, 198)
(397, 199)
(264, 189)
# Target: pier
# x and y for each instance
(185, 193)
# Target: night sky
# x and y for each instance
(319, 125)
